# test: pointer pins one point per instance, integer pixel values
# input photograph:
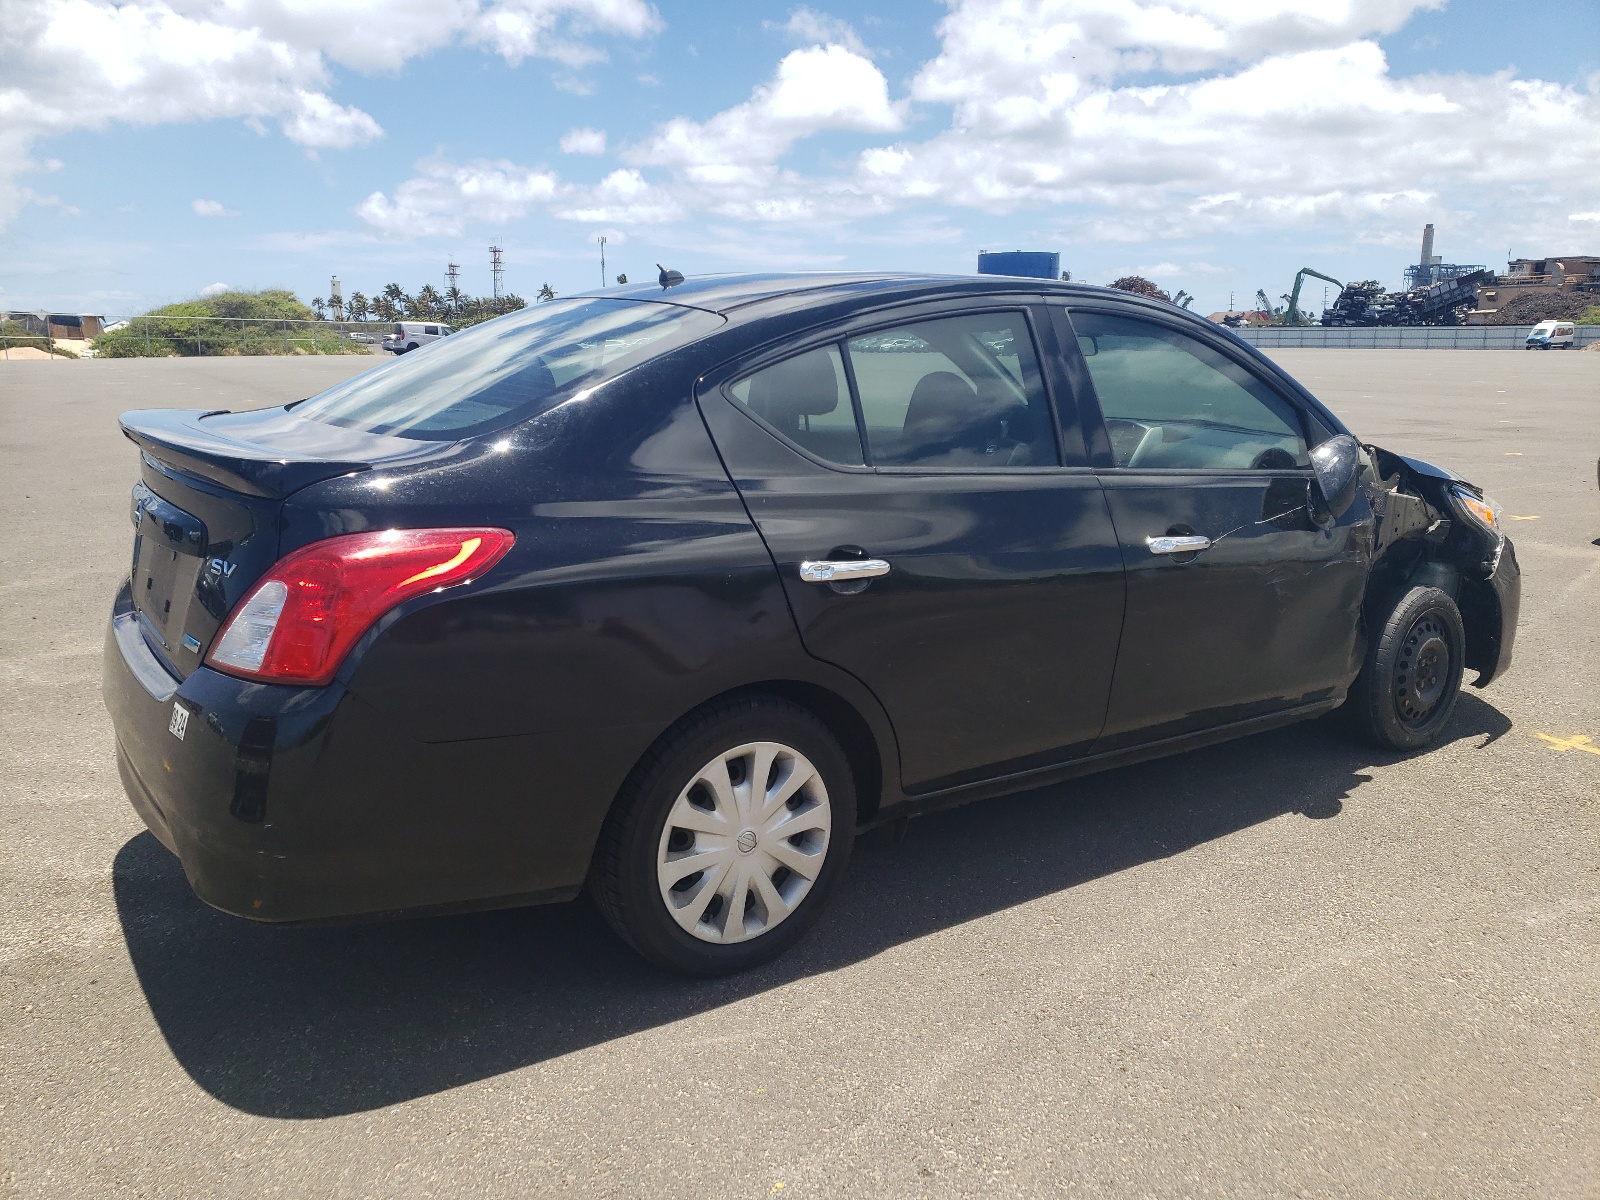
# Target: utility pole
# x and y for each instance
(602, 260)
(497, 265)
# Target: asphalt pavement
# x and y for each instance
(1289, 966)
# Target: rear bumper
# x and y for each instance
(295, 804)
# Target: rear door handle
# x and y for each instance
(840, 571)
(1178, 545)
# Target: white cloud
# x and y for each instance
(1295, 120)
(443, 199)
(1169, 270)
(725, 165)
(623, 197)
(810, 27)
(1584, 216)
(86, 64)
(1133, 120)
(817, 89)
(215, 289)
(212, 208)
(319, 123)
(584, 141)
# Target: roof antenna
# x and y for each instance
(668, 278)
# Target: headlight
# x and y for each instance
(1482, 509)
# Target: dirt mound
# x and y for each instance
(1543, 306)
(26, 353)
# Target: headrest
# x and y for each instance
(942, 405)
(804, 386)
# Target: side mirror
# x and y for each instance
(1335, 467)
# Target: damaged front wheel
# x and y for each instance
(1408, 685)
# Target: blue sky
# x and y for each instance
(156, 151)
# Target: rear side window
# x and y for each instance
(508, 369)
(807, 399)
(959, 392)
(1171, 401)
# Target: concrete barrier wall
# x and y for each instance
(1459, 337)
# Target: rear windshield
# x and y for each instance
(508, 369)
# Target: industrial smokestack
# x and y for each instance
(1426, 261)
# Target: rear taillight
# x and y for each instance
(298, 623)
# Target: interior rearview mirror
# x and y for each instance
(1335, 468)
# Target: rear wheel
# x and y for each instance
(1409, 683)
(728, 837)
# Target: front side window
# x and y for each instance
(958, 392)
(1171, 401)
(508, 369)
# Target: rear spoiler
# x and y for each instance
(176, 438)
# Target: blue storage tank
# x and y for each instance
(1031, 264)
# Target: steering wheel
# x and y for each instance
(1273, 458)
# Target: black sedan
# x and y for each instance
(670, 592)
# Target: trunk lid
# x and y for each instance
(207, 505)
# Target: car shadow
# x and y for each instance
(321, 1021)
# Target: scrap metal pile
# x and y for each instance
(1442, 303)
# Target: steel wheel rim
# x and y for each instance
(1423, 671)
(734, 860)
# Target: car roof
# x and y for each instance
(725, 293)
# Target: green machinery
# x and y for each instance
(1292, 315)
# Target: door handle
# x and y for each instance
(1178, 545)
(841, 571)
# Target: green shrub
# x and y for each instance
(192, 327)
(1591, 315)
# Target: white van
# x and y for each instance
(1547, 335)
(408, 335)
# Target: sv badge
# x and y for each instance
(222, 567)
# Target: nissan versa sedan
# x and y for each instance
(669, 592)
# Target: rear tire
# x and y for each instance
(1407, 688)
(705, 873)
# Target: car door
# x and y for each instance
(1193, 441)
(925, 444)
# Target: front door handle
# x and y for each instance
(843, 570)
(1178, 545)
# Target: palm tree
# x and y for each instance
(319, 309)
(399, 302)
(357, 307)
(427, 302)
(546, 292)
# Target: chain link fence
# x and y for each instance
(1409, 337)
(190, 337)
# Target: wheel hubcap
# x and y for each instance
(1423, 670)
(744, 842)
